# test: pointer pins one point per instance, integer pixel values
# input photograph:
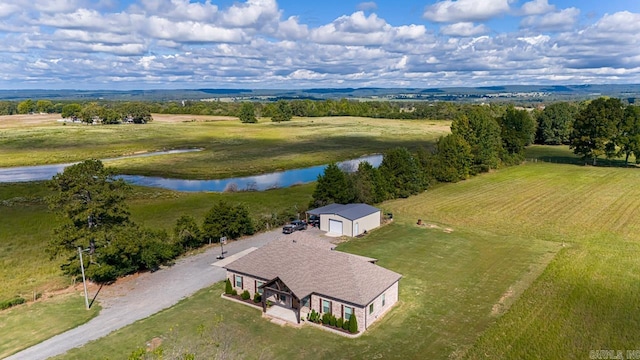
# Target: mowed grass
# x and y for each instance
(230, 148)
(454, 286)
(588, 298)
(27, 325)
(27, 226)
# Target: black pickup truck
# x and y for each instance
(294, 226)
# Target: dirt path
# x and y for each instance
(141, 296)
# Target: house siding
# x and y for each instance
(248, 282)
(391, 297)
(367, 223)
(336, 309)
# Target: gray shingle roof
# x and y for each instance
(348, 211)
(309, 269)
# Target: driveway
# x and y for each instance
(128, 301)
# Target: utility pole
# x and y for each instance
(84, 281)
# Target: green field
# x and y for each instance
(230, 148)
(31, 324)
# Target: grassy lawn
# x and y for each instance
(589, 295)
(33, 323)
(454, 287)
(230, 147)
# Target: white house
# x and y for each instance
(349, 220)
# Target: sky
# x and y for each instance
(289, 44)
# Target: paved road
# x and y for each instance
(129, 301)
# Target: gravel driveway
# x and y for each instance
(128, 301)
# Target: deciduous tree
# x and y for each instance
(555, 123)
(595, 127)
(517, 131)
(282, 111)
(247, 113)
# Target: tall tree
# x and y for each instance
(247, 113)
(224, 219)
(282, 111)
(26, 107)
(402, 173)
(555, 123)
(91, 202)
(628, 137)
(44, 106)
(332, 187)
(368, 185)
(187, 233)
(453, 159)
(518, 130)
(482, 132)
(595, 127)
(71, 111)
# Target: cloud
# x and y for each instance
(563, 20)
(464, 29)
(537, 7)
(359, 29)
(367, 6)
(466, 10)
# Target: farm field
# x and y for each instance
(455, 284)
(230, 148)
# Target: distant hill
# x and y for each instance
(524, 93)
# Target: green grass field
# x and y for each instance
(230, 147)
(450, 292)
(31, 324)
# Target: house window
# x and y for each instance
(283, 298)
(258, 284)
(326, 307)
(383, 300)
(305, 302)
(348, 311)
(370, 308)
(238, 281)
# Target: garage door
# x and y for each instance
(335, 226)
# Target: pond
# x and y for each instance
(262, 182)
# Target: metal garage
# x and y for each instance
(349, 219)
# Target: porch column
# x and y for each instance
(264, 300)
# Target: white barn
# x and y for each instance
(350, 219)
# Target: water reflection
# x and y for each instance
(253, 183)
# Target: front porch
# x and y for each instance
(288, 315)
(278, 301)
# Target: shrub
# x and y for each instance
(340, 323)
(345, 324)
(245, 295)
(326, 318)
(10, 303)
(332, 320)
(234, 292)
(353, 324)
(313, 317)
(227, 288)
(257, 298)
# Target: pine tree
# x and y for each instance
(228, 289)
(353, 324)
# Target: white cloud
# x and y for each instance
(464, 29)
(367, 6)
(466, 10)
(537, 7)
(563, 20)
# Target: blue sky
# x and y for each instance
(147, 44)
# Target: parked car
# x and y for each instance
(294, 226)
(314, 220)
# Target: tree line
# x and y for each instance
(92, 204)
(478, 143)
